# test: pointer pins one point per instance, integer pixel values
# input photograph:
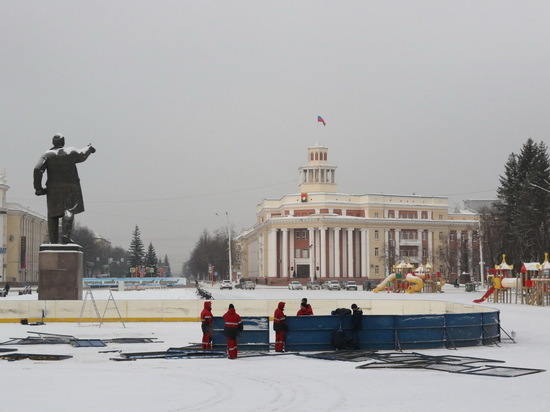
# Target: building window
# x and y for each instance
(452, 236)
(440, 217)
(424, 252)
(407, 214)
(304, 234)
(376, 270)
(305, 253)
(297, 234)
(376, 235)
(390, 235)
(441, 237)
(409, 234)
(424, 215)
(424, 235)
(391, 214)
(375, 214)
(297, 253)
(376, 252)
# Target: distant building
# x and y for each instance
(22, 232)
(319, 233)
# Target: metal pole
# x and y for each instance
(481, 263)
(229, 247)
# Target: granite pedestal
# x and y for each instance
(60, 272)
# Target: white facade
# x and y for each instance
(320, 233)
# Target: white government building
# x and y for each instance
(22, 231)
(320, 233)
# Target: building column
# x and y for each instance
(272, 253)
(317, 253)
(430, 246)
(261, 256)
(337, 252)
(350, 252)
(330, 261)
(284, 234)
(311, 234)
(419, 241)
(323, 254)
(292, 253)
(397, 235)
(365, 255)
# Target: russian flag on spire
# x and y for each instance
(320, 120)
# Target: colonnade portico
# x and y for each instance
(330, 252)
(336, 252)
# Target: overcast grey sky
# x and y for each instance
(205, 107)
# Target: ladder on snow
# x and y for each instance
(99, 317)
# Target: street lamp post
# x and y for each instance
(229, 245)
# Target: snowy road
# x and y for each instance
(90, 381)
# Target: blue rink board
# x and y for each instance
(396, 332)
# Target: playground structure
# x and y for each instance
(535, 283)
(433, 282)
(531, 287)
(406, 279)
(502, 283)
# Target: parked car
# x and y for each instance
(295, 285)
(333, 285)
(249, 285)
(313, 285)
(226, 284)
(351, 285)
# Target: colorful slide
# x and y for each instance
(416, 283)
(500, 283)
(384, 283)
(487, 294)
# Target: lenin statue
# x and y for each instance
(64, 196)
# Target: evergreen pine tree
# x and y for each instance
(167, 271)
(151, 260)
(524, 213)
(136, 252)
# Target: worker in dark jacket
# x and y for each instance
(207, 322)
(356, 325)
(280, 328)
(233, 327)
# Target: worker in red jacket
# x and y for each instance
(207, 322)
(233, 327)
(304, 311)
(309, 309)
(280, 328)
